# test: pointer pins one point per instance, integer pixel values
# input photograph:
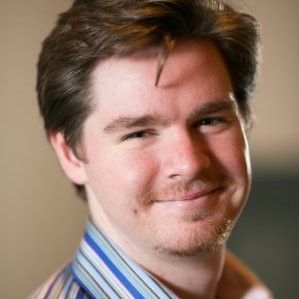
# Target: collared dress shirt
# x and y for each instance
(101, 270)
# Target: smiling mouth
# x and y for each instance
(192, 196)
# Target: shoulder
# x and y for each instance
(60, 285)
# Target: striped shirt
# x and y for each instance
(101, 270)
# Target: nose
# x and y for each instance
(186, 157)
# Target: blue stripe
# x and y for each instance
(95, 281)
(148, 280)
(68, 285)
(83, 278)
(56, 280)
(135, 293)
(142, 280)
(80, 294)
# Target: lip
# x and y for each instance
(191, 201)
(193, 196)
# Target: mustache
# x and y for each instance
(183, 188)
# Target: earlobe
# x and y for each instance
(72, 166)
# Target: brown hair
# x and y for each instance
(93, 30)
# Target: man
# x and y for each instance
(146, 104)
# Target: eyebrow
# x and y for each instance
(127, 122)
(124, 122)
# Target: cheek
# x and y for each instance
(232, 152)
(126, 175)
(137, 172)
(237, 165)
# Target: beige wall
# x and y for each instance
(275, 139)
(40, 220)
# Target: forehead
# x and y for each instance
(191, 67)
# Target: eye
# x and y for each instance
(142, 134)
(212, 121)
(213, 124)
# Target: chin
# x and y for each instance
(191, 240)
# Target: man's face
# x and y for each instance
(168, 168)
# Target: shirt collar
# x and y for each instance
(104, 271)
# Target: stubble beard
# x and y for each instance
(203, 231)
(196, 242)
(200, 232)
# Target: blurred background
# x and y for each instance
(41, 221)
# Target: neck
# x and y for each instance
(187, 276)
(194, 277)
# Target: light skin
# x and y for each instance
(167, 171)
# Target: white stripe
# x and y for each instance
(97, 262)
(141, 279)
(94, 282)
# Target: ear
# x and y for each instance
(72, 166)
